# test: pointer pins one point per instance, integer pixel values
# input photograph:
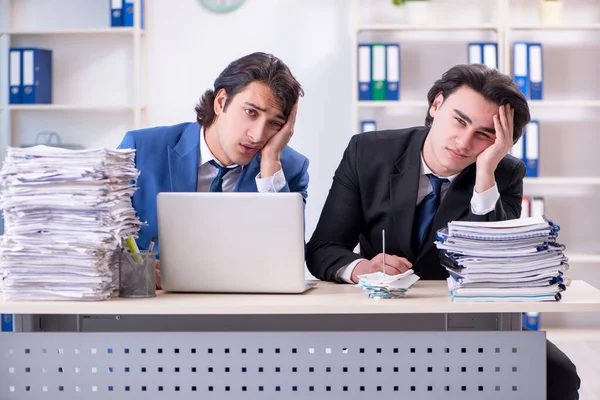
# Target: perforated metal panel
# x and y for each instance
(274, 365)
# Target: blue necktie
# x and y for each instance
(217, 183)
(427, 208)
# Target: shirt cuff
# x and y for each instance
(345, 273)
(272, 184)
(483, 203)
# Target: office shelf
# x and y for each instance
(559, 27)
(564, 103)
(591, 258)
(432, 28)
(564, 180)
(84, 31)
(392, 104)
(72, 107)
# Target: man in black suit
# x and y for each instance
(412, 182)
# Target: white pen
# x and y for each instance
(383, 249)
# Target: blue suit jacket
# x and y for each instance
(167, 158)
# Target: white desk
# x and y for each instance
(331, 342)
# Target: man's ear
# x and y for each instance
(220, 100)
(437, 103)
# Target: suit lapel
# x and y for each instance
(454, 206)
(403, 192)
(183, 160)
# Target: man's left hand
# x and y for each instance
(489, 159)
(270, 155)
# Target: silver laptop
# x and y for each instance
(231, 242)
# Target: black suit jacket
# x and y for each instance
(375, 187)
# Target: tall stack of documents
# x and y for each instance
(515, 260)
(66, 213)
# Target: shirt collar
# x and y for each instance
(426, 170)
(205, 154)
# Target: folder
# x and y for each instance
(364, 72)
(538, 207)
(535, 71)
(531, 321)
(525, 207)
(474, 53)
(378, 86)
(520, 67)
(7, 323)
(490, 55)
(15, 71)
(368, 126)
(532, 149)
(392, 72)
(37, 75)
(128, 13)
(116, 13)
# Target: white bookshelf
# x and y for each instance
(88, 31)
(563, 181)
(73, 107)
(565, 121)
(592, 258)
(430, 28)
(118, 54)
(550, 27)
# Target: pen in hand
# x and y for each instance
(383, 250)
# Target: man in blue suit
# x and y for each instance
(238, 143)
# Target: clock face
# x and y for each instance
(222, 6)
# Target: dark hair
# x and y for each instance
(261, 67)
(493, 85)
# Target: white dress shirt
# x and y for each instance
(481, 204)
(208, 172)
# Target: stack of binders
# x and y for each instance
(528, 69)
(30, 76)
(516, 260)
(122, 13)
(483, 53)
(378, 71)
(527, 149)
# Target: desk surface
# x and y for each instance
(326, 298)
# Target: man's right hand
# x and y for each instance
(394, 265)
(158, 282)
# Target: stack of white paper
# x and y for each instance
(383, 286)
(515, 260)
(65, 214)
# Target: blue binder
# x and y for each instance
(535, 71)
(392, 71)
(490, 54)
(474, 53)
(116, 12)
(483, 53)
(7, 323)
(518, 150)
(15, 76)
(36, 65)
(521, 67)
(364, 72)
(128, 13)
(368, 126)
(532, 149)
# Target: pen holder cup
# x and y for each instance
(137, 274)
